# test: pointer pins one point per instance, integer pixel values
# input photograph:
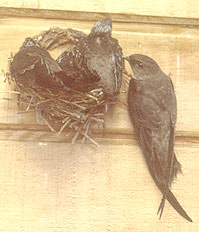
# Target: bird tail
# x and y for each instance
(156, 171)
(176, 205)
(174, 202)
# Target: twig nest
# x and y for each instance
(56, 103)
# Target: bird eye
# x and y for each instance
(140, 64)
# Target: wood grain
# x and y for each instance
(127, 17)
(178, 8)
(60, 187)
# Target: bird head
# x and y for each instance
(29, 42)
(102, 26)
(143, 67)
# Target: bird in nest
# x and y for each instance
(33, 66)
(95, 62)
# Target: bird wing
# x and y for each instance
(23, 62)
(102, 55)
(48, 72)
(36, 66)
(154, 116)
(152, 124)
(118, 63)
(78, 76)
(84, 58)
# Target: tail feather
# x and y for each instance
(174, 202)
(156, 172)
(176, 205)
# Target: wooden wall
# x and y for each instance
(178, 8)
(47, 184)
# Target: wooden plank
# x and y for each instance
(127, 17)
(59, 187)
(39, 133)
(179, 8)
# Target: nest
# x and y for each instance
(70, 108)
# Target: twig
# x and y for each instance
(65, 124)
(48, 124)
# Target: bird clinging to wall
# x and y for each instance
(96, 61)
(153, 111)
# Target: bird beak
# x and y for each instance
(126, 58)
